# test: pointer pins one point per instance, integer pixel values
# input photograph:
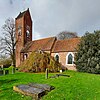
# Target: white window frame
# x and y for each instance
(25, 57)
(58, 55)
(67, 58)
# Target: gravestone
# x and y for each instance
(5, 72)
(13, 70)
(30, 91)
(1, 72)
(33, 89)
(46, 87)
(46, 73)
(60, 71)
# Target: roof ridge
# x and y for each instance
(48, 42)
(70, 39)
(43, 39)
(66, 45)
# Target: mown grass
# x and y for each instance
(79, 86)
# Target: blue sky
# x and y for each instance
(53, 16)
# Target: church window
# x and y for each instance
(25, 56)
(57, 57)
(70, 58)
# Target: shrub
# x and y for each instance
(88, 53)
(38, 62)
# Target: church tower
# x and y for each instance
(23, 24)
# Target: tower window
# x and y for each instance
(19, 30)
(27, 33)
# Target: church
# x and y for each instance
(63, 50)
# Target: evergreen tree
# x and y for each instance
(88, 53)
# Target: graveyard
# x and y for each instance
(79, 86)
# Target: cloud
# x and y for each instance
(11, 2)
(36, 35)
(53, 16)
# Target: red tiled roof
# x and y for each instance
(48, 44)
(41, 44)
(27, 46)
(66, 45)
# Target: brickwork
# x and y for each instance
(50, 45)
(21, 24)
(20, 40)
(62, 60)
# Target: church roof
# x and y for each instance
(68, 45)
(45, 44)
(52, 44)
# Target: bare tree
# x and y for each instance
(7, 41)
(5, 61)
(66, 35)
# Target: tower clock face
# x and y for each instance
(27, 31)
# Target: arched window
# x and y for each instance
(25, 56)
(70, 58)
(57, 57)
(19, 30)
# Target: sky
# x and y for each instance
(51, 17)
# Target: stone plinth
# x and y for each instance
(33, 89)
(45, 87)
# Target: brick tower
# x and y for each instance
(23, 24)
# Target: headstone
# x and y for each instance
(46, 73)
(5, 72)
(60, 71)
(1, 72)
(13, 70)
(30, 91)
(33, 89)
(46, 87)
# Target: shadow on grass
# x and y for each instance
(7, 84)
(7, 81)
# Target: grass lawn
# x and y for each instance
(79, 86)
